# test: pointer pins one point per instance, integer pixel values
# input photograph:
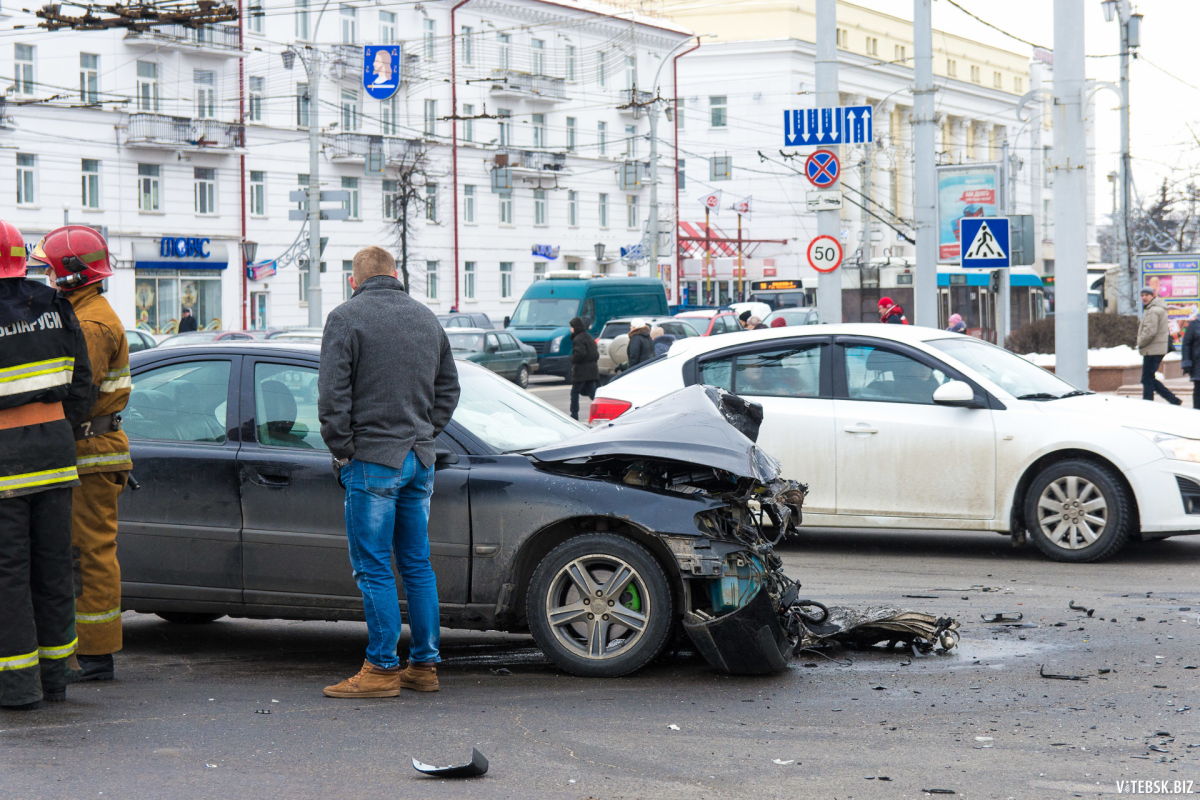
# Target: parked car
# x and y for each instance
(466, 319)
(533, 517)
(294, 334)
(613, 342)
(204, 337)
(710, 322)
(139, 341)
(907, 427)
(787, 317)
(499, 351)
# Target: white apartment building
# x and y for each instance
(184, 144)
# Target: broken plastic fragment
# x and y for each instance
(1003, 616)
(477, 766)
(783, 763)
(673, 727)
(1058, 677)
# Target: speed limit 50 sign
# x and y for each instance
(825, 254)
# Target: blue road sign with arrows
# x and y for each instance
(985, 242)
(803, 127)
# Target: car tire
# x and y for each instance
(574, 577)
(188, 617)
(522, 378)
(1078, 511)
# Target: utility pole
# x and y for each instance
(1070, 195)
(829, 284)
(652, 228)
(1130, 25)
(312, 66)
(925, 173)
(1004, 282)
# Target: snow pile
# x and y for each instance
(1122, 356)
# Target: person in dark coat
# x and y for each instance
(1190, 353)
(641, 348)
(187, 323)
(585, 373)
(662, 341)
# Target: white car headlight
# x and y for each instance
(555, 343)
(1179, 448)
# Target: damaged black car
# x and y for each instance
(601, 543)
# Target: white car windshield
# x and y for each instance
(1020, 378)
(506, 417)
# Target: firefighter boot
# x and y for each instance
(420, 677)
(92, 668)
(54, 680)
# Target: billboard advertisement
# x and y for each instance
(965, 191)
(1175, 277)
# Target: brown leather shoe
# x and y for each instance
(371, 681)
(419, 677)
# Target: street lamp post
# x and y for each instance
(1130, 25)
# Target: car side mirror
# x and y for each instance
(958, 394)
(444, 457)
(507, 320)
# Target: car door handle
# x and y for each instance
(860, 427)
(271, 480)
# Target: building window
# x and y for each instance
(681, 172)
(1018, 84)
(631, 141)
(347, 272)
(387, 27)
(90, 190)
(602, 207)
(431, 202)
(467, 49)
(539, 130)
(572, 61)
(572, 132)
(350, 113)
(431, 280)
(428, 34)
(258, 193)
(147, 86)
(257, 90)
(601, 138)
(680, 115)
(205, 81)
(302, 105)
(149, 197)
(353, 209)
(951, 68)
(872, 46)
(257, 15)
(539, 207)
(633, 214)
(430, 128)
(301, 19)
(504, 50)
(349, 24)
(630, 72)
(537, 56)
(89, 78)
(468, 280)
(975, 73)
(572, 208)
(997, 80)
(602, 69)
(468, 203)
(387, 116)
(539, 270)
(391, 200)
(899, 53)
(302, 266)
(205, 190)
(468, 128)
(718, 110)
(506, 280)
(506, 209)
(503, 138)
(842, 38)
(26, 179)
(157, 300)
(23, 61)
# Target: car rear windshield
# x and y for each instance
(467, 342)
(507, 418)
(614, 329)
(1010, 372)
(544, 312)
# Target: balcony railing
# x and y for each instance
(160, 130)
(358, 146)
(538, 160)
(634, 102)
(209, 37)
(511, 83)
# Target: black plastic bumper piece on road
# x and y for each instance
(748, 641)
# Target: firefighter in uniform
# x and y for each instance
(45, 388)
(79, 260)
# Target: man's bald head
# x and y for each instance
(372, 261)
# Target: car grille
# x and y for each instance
(1189, 491)
(541, 348)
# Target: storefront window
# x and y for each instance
(160, 296)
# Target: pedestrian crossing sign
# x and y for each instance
(985, 242)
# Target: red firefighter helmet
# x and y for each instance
(12, 251)
(77, 254)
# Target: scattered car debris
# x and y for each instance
(939, 791)
(262, 711)
(1058, 676)
(501, 671)
(1003, 616)
(1071, 605)
(876, 624)
(673, 727)
(783, 763)
(922, 596)
(478, 765)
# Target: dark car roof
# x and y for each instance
(236, 347)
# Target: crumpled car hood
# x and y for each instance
(699, 425)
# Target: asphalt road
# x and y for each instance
(234, 710)
(556, 392)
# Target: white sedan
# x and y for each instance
(905, 427)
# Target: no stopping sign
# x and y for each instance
(825, 254)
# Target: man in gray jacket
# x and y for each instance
(387, 388)
(1152, 341)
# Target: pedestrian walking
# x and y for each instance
(187, 323)
(662, 341)
(891, 312)
(585, 369)
(78, 259)
(1154, 335)
(957, 324)
(1190, 351)
(386, 389)
(46, 384)
(641, 349)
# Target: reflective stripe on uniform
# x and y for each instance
(23, 661)
(96, 619)
(116, 379)
(28, 480)
(36, 375)
(103, 459)
(62, 651)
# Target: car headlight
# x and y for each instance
(1179, 448)
(555, 343)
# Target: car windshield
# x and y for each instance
(544, 312)
(465, 342)
(507, 418)
(1013, 374)
(614, 329)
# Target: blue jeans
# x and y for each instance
(387, 511)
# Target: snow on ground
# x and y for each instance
(1123, 356)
